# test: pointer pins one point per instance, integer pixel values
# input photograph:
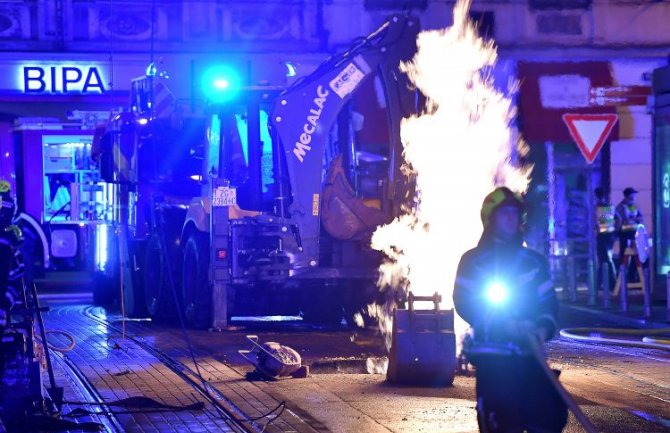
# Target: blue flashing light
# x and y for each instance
(497, 293)
(151, 70)
(101, 247)
(290, 70)
(221, 83)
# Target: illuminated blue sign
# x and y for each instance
(61, 79)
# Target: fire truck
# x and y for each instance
(256, 192)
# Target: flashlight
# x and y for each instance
(496, 293)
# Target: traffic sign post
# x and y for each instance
(590, 131)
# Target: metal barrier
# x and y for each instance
(606, 287)
(572, 279)
(631, 254)
(623, 293)
(591, 280)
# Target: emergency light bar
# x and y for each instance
(220, 83)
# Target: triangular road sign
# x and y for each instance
(590, 131)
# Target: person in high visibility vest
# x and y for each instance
(606, 219)
(504, 291)
(628, 217)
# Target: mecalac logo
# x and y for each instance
(302, 145)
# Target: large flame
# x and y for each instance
(458, 151)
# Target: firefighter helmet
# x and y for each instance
(499, 197)
(8, 206)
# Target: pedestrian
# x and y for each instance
(628, 218)
(606, 227)
(504, 291)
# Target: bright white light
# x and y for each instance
(196, 177)
(496, 293)
(151, 70)
(290, 70)
(142, 121)
(221, 83)
(101, 254)
(459, 149)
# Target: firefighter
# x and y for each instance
(11, 262)
(606, 219)
(504, 291)
(628, 218)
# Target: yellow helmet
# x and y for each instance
(4, 186)
(499, 197)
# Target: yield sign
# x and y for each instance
(590, 131)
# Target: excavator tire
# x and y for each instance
(197, 293)
(158, 296)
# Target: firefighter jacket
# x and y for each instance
(629, 216)
(524, 273)
(606, 218)
(11, 258)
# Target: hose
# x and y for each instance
(67, 335)
(595, 335)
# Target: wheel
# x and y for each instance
(195, 282)
(158, 295)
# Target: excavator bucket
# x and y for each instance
(345, 216)
(423, 345)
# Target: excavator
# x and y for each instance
(256, 196)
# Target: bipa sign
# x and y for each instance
(59, 79)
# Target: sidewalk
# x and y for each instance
(633, 317)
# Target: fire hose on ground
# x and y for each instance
(650, 339)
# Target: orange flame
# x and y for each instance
(458, 150)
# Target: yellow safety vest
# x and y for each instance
(629, 224)
(605, 219)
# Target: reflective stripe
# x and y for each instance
(605, 219)
(544, 288)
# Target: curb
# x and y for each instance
(618, 318)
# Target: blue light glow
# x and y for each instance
(497, 293)
(266, 158)
(290, 70)
(101, 253)
(214, 142)
(221, 83)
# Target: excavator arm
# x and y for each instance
(304, 114)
